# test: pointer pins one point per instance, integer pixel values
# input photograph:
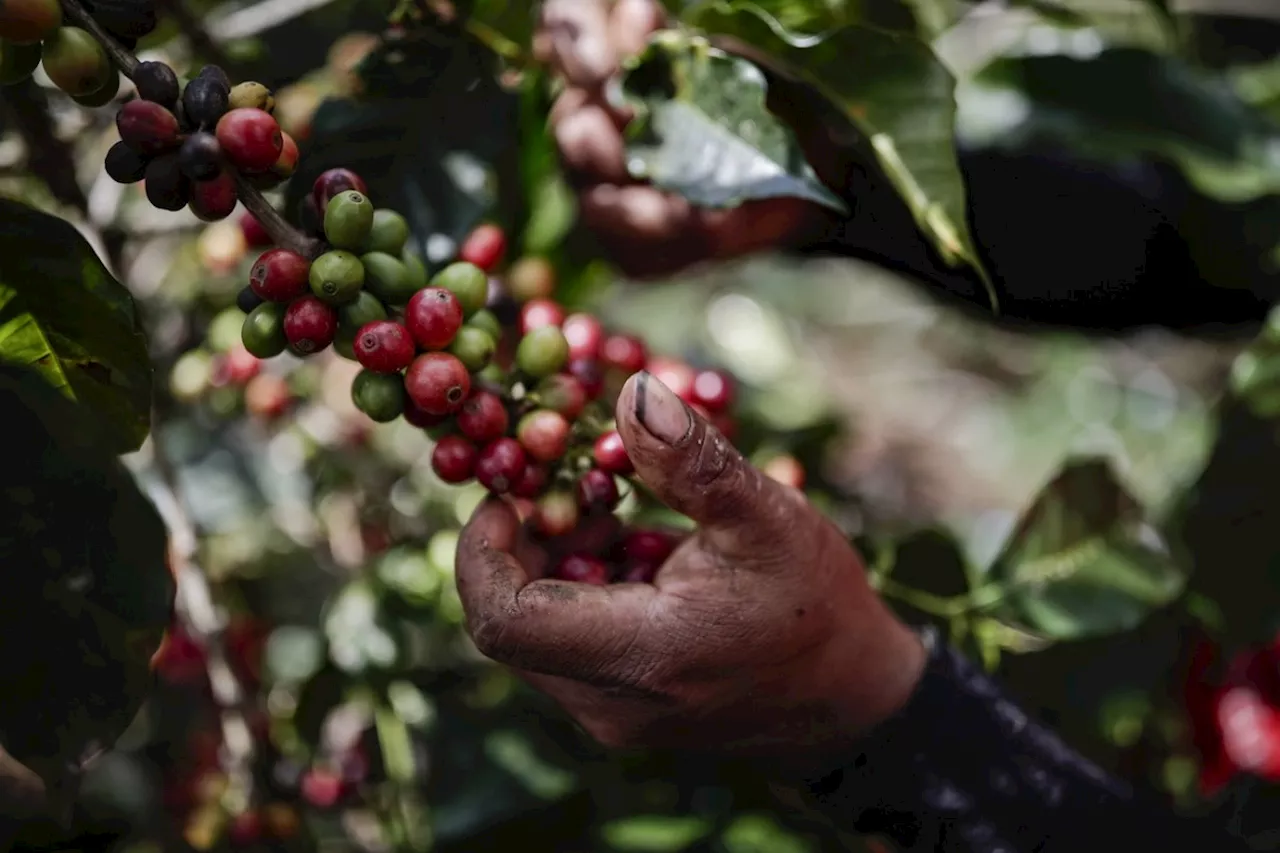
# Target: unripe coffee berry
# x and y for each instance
(544, 434)
(279, 275)
(598, 489)
(250, 139)
(384, 346)
(380, 396)
(310, 325)
(454, 459)
(388, 234)
(585, 335)
(483, 417)
(542, 352)
(388, 278)
(434, 316)
(500, 464)
(610, 454)
(625, 353)
(484, 247)
(347, 220)
(336, 277)
(75, 62)
(437, 383)
(486, 321)
(582, 568)
(531, 278)
(474, 347)
(539, 313)
(360, 312)
(467, 282)
(147, 128)
(263, 331)
(251, 94)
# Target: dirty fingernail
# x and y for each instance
(661, 411)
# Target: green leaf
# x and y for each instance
(654, 833)
(1147, 23)
(1259, 86)
(87, 593)
(702, 130)
(759, 833)
(893, 89)
(1083, 561)
(361, 637)
(63, 314)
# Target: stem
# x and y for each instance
(284, 234)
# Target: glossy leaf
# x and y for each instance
(1083, 561)
(1146, 23)
(63, 314)
(702, 130)
(654, 833)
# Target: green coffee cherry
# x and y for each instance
(389, 233)
(417, 270)
(263, 330)
(381, 396)
(468, 282)
(75, 62)
(102, 97)
(492, 373)
(336, 277)
(473, 347)
(344, 343)
(487, 322)
(387, 278)
(17, 61)
(542, 352)
(348, 219)
(365, 308)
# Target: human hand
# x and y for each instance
(758, 637)
(647, 232)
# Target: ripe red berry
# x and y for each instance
(309, 325)
(564, 394)
(254, 234)
(434, 316)
(555, 514)
(335, 181)
(676, 375)
(454, 459)
(147, 128)
(589, 376)
(538, 313)
(280, 275)
(625, 353)
(713, 390)
(437, 383)
(214, 199)
(610, 454)
(420, 418)
(384, 346)
(585, 335)
(241, 365)
(484, 247)
(250, 139)
(786, 470)
(544, 434)
(597, 488)
(640, 573)
(322, 788)
(531, 483)
(582, 568)
(483, 417)
(500, 465)
(287, 163)
(648, 546)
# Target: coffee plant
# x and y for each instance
(285, 297)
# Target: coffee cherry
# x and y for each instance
(582, 568)
(279, 275)
(544, 434)
(563, 394)
(542, 352)
(147, 128)
(787, 470)
(214, 199)
(384, 346)
(24, 22)
(335, 181)
(610, 454)
(483, 417)
(676, 375)
(204, 102)
(589, 376)
(254, 234)
(484, 247)
(388, 234)
(387, 278)
(245, 829)
(454, 459)
(156, 83)
(474, 348)
(713, 390)
(422, 419)
(648, 546)
(263, 331)
(250, 138)
(200, 157)
(348, 219)
(585, 335)
(467, 282)
(336, 277)
(500, 464)
(416, 268)
(434, 317)
(625, 353)
(438, 383)
(532, 482)
(252, 95)
(124, 165)
(556, 514)
(247, 300)
(596, 488)
(323, 789)
(539, 313)
(166, 187)
(215, 72)
(360, 312)
(641, 573)
(102, 96)
(485, 321)
(531, 278)
(381, 396)
(287, 163)
(310, 325)
(17, 61)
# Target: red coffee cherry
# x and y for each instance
(437, 383)
(625, 353)
(454, 459)
(280, 275)
(582, 568)
(322, 788)
(786, 470)
(147, 128)
(532, 482)
(676, 375)
(589, 376)
(648, 546)
(610, 454)
(384, 346)
(245, 829)
(335, 181)
(416, 416)
(484, 247)
(555, 514)
(254, 234)
(500, 464)
(585, 335)
(309, 325)
(434, 316)
(214, 199)
(598, 489)
(544, 435)
(483, 417)
(640, 573)
(250, 139)
(564, 394)
(713, 390)
(537, 313)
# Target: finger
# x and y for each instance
(591, 146)
(694, 469)
(761, 225)
(578, 31)
(648, 232)
(632, 22)
(588, 633)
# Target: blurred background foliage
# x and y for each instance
(1030, 492)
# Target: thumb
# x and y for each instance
(694, 469)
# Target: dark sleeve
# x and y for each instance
(962, 769)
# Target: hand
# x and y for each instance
(648, 232)
(759, 636)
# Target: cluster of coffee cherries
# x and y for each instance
(187, 141)
(32, 33)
